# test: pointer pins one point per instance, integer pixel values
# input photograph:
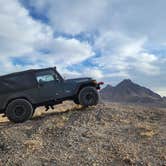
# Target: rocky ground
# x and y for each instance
(109, 134)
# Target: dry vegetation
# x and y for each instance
(108, 134)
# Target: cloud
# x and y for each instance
(121, 53)
(70, 51)
(93, 72)
(62, 52)
(88, 72)
(72, 17)
(26, 39)
(19, 32)
(134, 18)
(108, 40)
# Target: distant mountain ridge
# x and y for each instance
(128, 91)
(164, 98)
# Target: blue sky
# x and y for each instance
(109, 40)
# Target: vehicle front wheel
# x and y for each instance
(19, 110)
(88, 96)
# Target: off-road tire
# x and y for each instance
(19, 111)
(88, 96)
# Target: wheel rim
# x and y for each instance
(90, 98)
(19, 111)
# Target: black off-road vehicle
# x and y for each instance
(21, 93)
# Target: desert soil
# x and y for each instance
(108, 134)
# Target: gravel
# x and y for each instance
(107, 134)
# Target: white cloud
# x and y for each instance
(70, 51)
(93, 72)
(19, 32)
(124, 35)
(124, 28)
(123, 54)
(23, 37)
(72, 16)
(88, 72)
(63, 53)
(134, 18)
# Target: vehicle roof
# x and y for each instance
(25, 71)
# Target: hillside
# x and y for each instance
(164, 98)
(127, 91)
(108, 134)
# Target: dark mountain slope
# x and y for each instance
(127, 91)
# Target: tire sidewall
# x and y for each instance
(26, 105)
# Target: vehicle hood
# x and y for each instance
(79, 80)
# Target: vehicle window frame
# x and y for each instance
(43, 79)
(60, 77)
(48, 72)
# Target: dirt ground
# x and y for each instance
(109, 134)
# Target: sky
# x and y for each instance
(109, 40)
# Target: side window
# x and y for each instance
(45, 76)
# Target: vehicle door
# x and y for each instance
(49, 85)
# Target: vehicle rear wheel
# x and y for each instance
(88, 96)
(19, 110)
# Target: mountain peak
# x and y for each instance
(108, 86)
(126, 82)
(128, 91)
